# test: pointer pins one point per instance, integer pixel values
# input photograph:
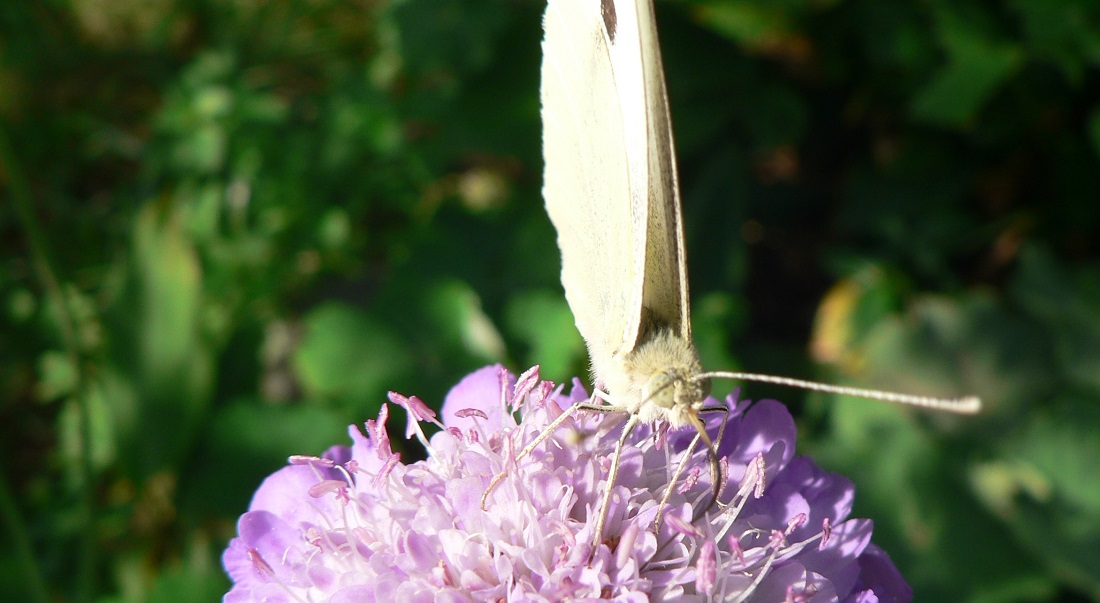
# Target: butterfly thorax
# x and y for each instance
(656, 380)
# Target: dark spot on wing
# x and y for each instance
(610, 19)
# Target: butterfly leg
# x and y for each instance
(712, 455)
(613, 473)
(722, 428)
(715, 471)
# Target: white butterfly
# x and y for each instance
(611, 191)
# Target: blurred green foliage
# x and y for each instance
(228, 228)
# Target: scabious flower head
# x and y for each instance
(359, 525)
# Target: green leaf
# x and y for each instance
(543, 321)
(57, 376)
(348, 356)
(939, 346)
(1068, 303)
(911, 485)
(159, 350)
(752, 24)
(977, 67)
(247, 441)
(1062, 32)
(105, 401)
(1051, 500)
(461, 324)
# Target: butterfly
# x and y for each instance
(611, 190)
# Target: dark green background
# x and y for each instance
(228, 228)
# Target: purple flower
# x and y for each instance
(358, 525)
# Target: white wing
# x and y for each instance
(586, 183)
(666, 284)
(610, 181)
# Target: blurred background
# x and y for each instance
(227, 228)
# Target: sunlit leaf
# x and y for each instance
(350, 358)
(162, 353)
(58, 376)
(544, 322)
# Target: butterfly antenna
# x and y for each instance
(966, 405)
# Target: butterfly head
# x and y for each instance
(676, 395)
(673, 388)
(662, 380)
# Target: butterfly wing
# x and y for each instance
(586, 181)
(665, 286)
(610, 179)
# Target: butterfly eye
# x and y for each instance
(664, 389)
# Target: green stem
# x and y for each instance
(24, 553)
(39, 252)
